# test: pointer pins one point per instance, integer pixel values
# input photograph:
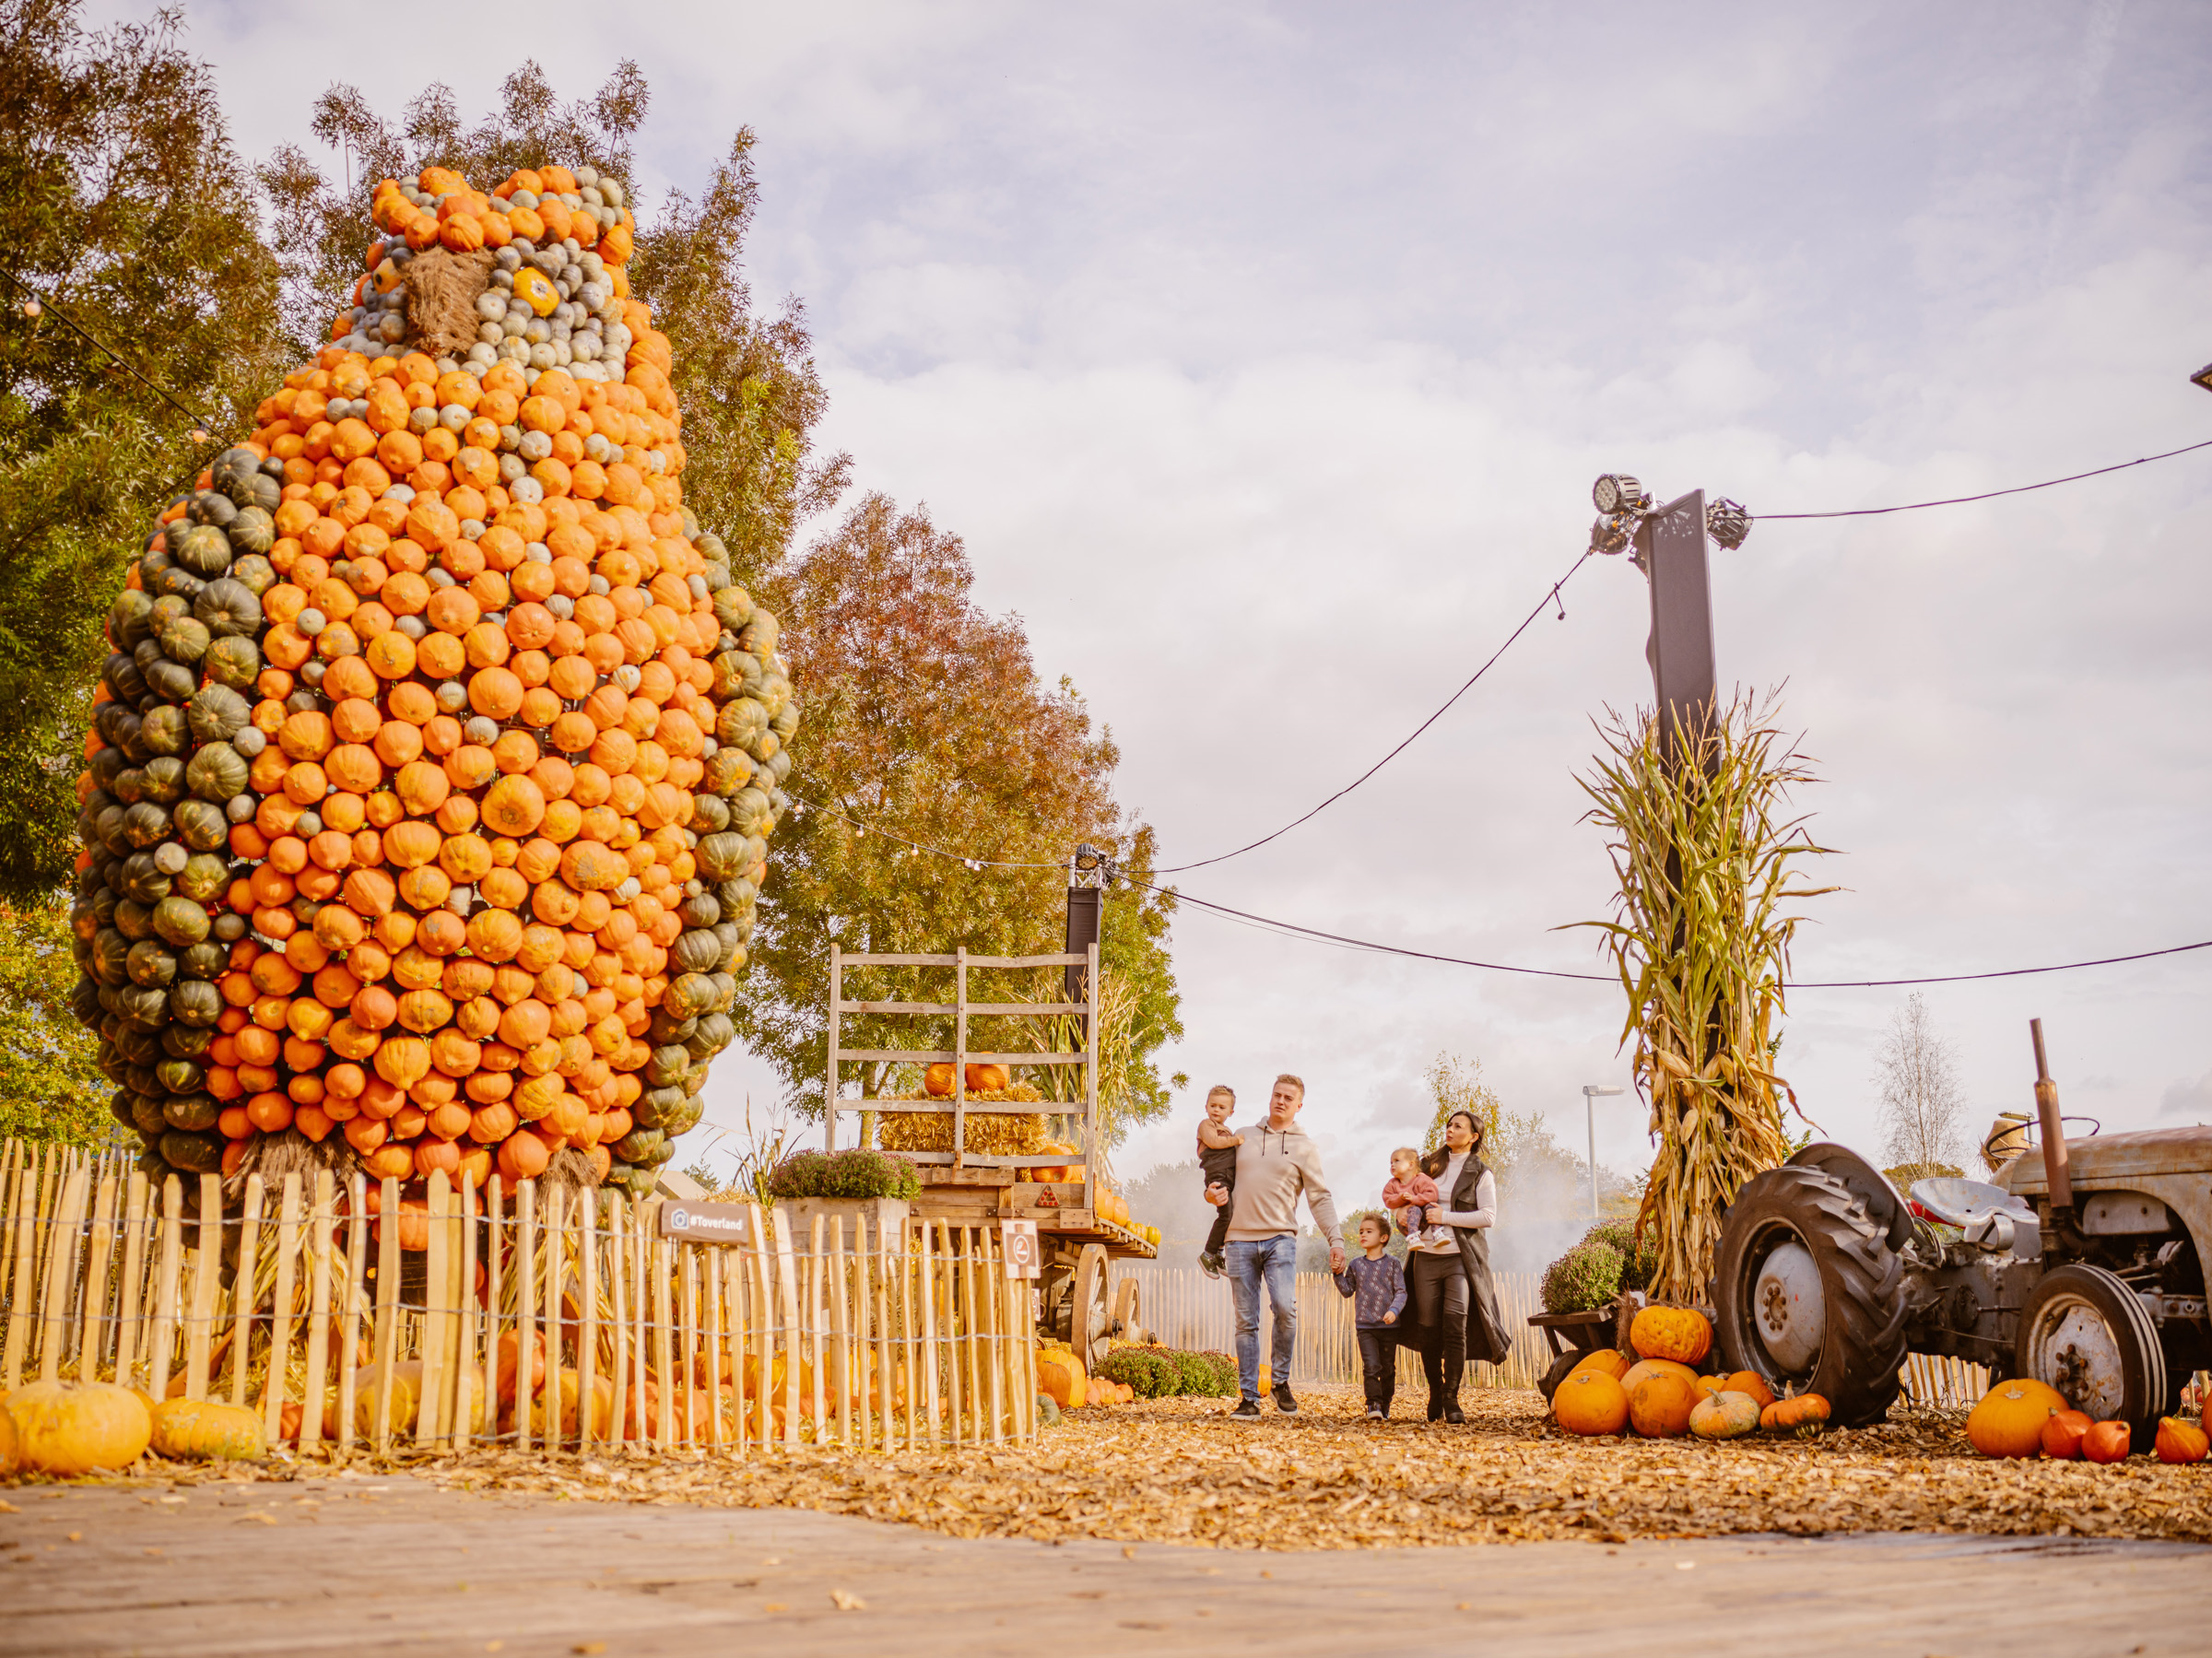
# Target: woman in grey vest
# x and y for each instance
(1448, 1272)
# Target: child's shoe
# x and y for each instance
(1211, 1264)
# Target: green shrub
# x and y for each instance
(1157, 1372)
(854, 1172)
(1584, 1278)
(1619, 1232)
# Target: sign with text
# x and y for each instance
(707, 1223)
(1025, 1258)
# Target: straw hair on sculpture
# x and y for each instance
(1707, 855)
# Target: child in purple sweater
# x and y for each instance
(1377, 1284)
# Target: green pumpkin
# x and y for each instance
(216, 713)
(226, 608)
(639, 1144)
(254, 573)
(195, 1001)
(206, 959)
(252, 530)
(695, 952)
(110, 955)
(741, 724)
(689, 993)
(711, 545)
(202, 878)
(786, 721)
(682, 1118)
(700, 909)
(720, 857)
(165, 730)
(758, 637)
(162, 781)
(749, 810)
(146, 1115)
(715, 1032)
(145, 824)
(129, 618)
(170, 681)
(736, 674)
(728, 770)
(732, 607)
(193, 1153)
(133, 919)
(187, 1041)
(232, 474)
(142, 1005)
(200, 825)
(151, 962)
(779, 765)
(709, 813)
(181, 920)
(182, 1077)
(217, 773)
(124, 680)
(234, 660)
(203, 549)
(667, 1066)
(186, 639)
(653, 1105)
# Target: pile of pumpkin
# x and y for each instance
(430, 782)
(64, 1429)
(1062, 1378)
(1659, 1394)
(2028, 1418)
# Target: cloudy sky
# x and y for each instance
(1263, 356)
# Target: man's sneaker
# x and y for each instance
(1375, 1413)
(1210, 1264)
(1283, 1401)
(1248, 1410)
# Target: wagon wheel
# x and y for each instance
(1090, 1321)
(1124, 1310)
(1561, 1367)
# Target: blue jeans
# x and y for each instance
(1275, 1260)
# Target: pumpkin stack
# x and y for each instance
(429, 783)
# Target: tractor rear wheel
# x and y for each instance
(2085, 1333)
(1808, 1295)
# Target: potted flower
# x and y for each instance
(861, 1190)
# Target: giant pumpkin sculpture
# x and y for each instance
(429, 782)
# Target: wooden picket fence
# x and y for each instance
(310, 1311)
(1184, 1308)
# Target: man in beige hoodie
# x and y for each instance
(1275, 1166)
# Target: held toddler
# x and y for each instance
(1218, 1163)
(1409, 1193)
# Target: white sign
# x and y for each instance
(1025, 1258)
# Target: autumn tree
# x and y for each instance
(137, 309)
(50, 1087)
(925, 718)
(1923, 1107)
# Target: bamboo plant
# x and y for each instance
(1708, 858)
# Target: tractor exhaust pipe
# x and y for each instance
(2054, 1133)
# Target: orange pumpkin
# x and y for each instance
(2062, 1434)
(2108, 1443)
(1750, 1386)
(1660, 1404)
(2009, 1420)
(1805, 1415)
(1681, 1333)
(2180, 1441)
(1590, 1402)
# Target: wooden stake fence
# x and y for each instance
(528, 1317)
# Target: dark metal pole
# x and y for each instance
(1670, 542)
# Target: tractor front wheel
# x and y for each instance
(1808, 1295)
(2085, 1333)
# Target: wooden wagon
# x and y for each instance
(970, 1188)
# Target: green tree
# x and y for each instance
(750, 395)
(926, 719)
(137, 309)
(50, 1087)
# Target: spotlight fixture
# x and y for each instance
(1727, 523)
(1617, 492)
(2202, 377)
(32, 309)
(1613, 532)
(1089, 857)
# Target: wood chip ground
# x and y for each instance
(1177, 1471)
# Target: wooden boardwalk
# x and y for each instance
(385, 1564)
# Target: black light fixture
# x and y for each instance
(1727, 523)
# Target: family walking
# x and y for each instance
(1441, 1302)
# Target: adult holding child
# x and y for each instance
(1276, 1164)
(1448, 1268)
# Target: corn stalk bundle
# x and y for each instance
(1706, 857)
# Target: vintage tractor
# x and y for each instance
(2082, 1267)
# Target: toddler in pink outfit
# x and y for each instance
(1409, 1193)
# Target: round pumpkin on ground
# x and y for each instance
(1590, 1402)
(2108, 1443)
(2009, 1420)
(2181, 1442)
(1660, 1404)
(1657, 1367)
(2062, 1434)
(1805, 1416)
(1748, 1383)
(1724, 1416)
(1681, 1333)
(207, 1429)
(67, 1427)
(1611, 1360)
